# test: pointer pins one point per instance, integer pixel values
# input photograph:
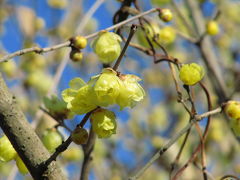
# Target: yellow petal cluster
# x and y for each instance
(190, 74)
(131, 92)
(107, 46)
(7, 152)
(103, 123)
(105, 87)
(103, 90)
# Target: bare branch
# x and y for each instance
(68, 43)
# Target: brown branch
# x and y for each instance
(88, 149)
(162, 150)
(132, 31)
(207, 53)
(68, 43)
(23, 138)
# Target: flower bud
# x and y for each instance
(51, 139)
(21, 166)
(107, 46)
(105, 87)
(73, 153)
(190, 74)
(212, 28)
(103, 123)
(7, 152)
(131, 92)
(165, 15)
(79, 42)
(76, 55)
(233, 109)
(79, 136)
(167, 35)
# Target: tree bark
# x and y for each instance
(24, 139)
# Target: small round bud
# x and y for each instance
(190, 74)
(79, 136)
(212, 28)
(51, 139)
(233, 109)
(165, 15)
(107, 46)
(167, 35)
(39, 24)
(73, 153)
(76, 55)
(21, 166)
(103, 123)
(79, 42)
(7, 152)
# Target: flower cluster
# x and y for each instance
(191, 74)
(103, 90)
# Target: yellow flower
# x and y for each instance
(212, 28)
(69, 94)
(7, 152)
(105, 87)
(107, 46)
(131, 92)
(190, 74)
(103, 123)
(167, 35)
(83, 102)
(233, 109)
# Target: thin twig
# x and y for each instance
(162, 150)
(67, 43)
(132, 31)
(88, 149)
(201, 144)
(175, 162)
(88, 15)
(60, 121)
(229, 176)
